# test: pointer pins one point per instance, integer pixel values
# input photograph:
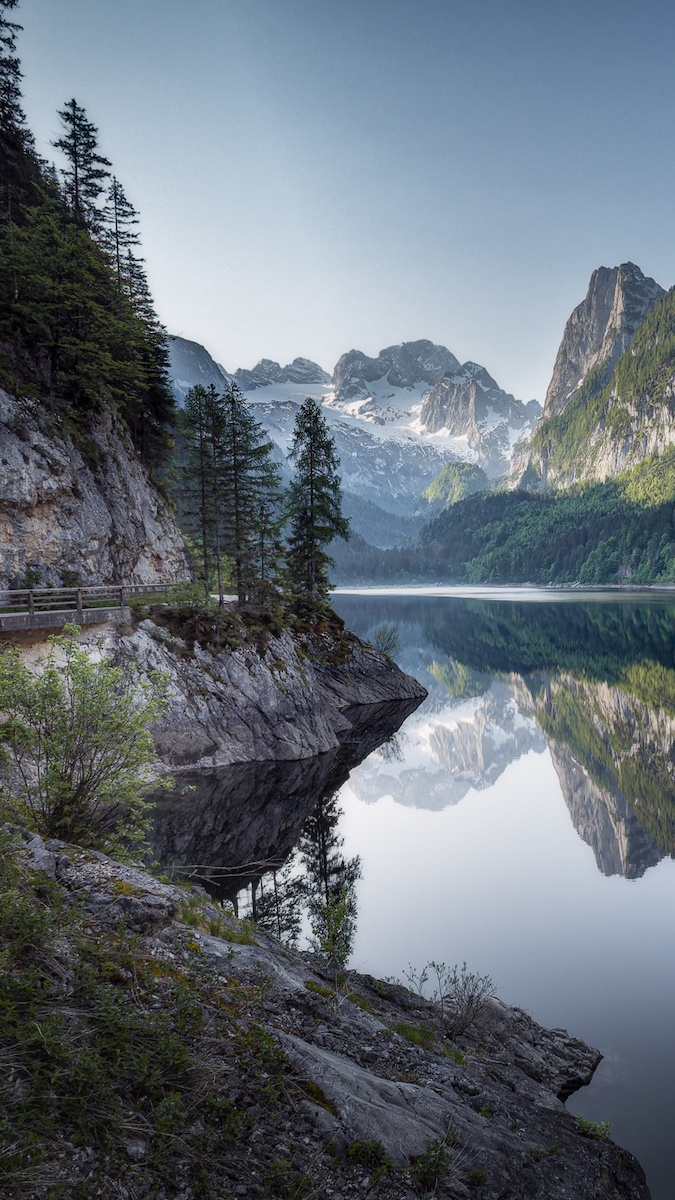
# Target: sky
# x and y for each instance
(315, 176)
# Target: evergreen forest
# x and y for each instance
(78, 329)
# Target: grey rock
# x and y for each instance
(468, 403)
(110, 890)
(498, 1109)
(99, 519)
(406, 365)
(600, 328)
(301, 371)
(190, 364)
(240, 706)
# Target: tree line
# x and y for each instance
(248, 534)
(78, 326)
(617, 532)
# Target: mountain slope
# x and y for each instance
(597, 334)
(615, 419)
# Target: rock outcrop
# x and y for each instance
(301, 371)
(353, 1089)
(407, 365)
(79, 510)
(282, 701)
(191, 364)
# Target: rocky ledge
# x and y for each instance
(294, 1084)
(270, 697)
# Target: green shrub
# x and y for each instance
(76, 740)
(430, 1167)
(598, 1130)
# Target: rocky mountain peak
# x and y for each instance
(190, 364)
(407, 365)
(301, 370)
(468, 403)
(600, 328)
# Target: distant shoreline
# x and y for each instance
(517, 592)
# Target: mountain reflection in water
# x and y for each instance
(592, 682)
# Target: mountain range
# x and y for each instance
(397, 419)
(495, 489)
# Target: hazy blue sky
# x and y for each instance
(317, 175)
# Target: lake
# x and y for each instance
(522, 819)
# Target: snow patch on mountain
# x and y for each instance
(397, 419)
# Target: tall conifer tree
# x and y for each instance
(252, 500)
(119, 232)
(314, 505)
(87, 171)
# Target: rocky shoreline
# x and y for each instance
(358, 1088)
(279, 698)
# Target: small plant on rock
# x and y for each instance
(434, 1163)
(386, 639)
(598, 1130)
(461, 995)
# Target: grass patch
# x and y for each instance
(418, 1035)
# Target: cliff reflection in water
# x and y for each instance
(230, 826)
(594, 684)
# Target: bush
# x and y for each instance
(386, 639)
(598, 1130)
(460, 994)
(74, 740)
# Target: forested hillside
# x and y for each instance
(617, 415)
(622, 531)
(77, 324)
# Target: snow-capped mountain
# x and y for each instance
(469, 404)
(397, 419)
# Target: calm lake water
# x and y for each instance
(522, 819)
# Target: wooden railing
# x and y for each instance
(36, 601)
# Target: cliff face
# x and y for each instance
(597, 334)
(84, 511)
(469, 404)
(600, 328)
(282, 701)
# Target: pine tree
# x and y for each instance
(119, 232)
(236, 491)
(149, 410)
(201, 422)
(87, 169)
(314, 506)
(251, 490)
(12, 117)
(19, 168)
